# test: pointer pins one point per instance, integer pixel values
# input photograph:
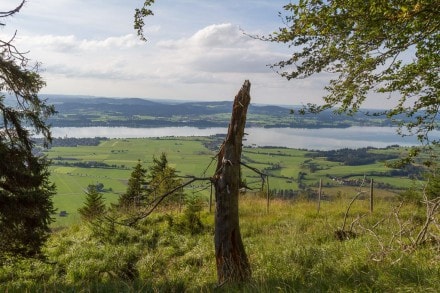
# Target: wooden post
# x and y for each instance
(371, 195)
(319, 194)
(267, 195)
(231, 259)
(210, 200)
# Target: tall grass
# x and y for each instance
(291, 249)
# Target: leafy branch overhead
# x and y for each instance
(139, 15)
(383, 47)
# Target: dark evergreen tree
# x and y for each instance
(94, 207)
(136, 189)
(25, 203)
(163, 178)
(26, 207)
(432, 189)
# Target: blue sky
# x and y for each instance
(196, 49)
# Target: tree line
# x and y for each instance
(61, 161)
(354, 157)
(72, 141)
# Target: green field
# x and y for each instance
(190, 157)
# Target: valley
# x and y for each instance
(293, 173)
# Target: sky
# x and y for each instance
(196, 50)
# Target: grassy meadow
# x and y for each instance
(291, 249)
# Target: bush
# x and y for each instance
(190, 222)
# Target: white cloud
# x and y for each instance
(71, 43)
(221, 48)
(122, 42)
(110, 71)
(219, 36)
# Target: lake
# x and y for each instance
(313, 139)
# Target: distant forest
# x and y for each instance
(354, 157)
(72, 141)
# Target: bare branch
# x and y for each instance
(13, 11)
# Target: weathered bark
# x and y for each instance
(231, 259)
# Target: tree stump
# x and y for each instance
(231, 259)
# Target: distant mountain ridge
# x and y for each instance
(86, 111)
(137, 106)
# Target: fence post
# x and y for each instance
(267, 195)
(210, 200)
(371, 195)
(319, 194)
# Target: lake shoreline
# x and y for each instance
(299, 138)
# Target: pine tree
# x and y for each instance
(432, 189)
(135, 193)
(163, 178)
(94, 207)
(26, 207)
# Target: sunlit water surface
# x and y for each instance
(316, 139)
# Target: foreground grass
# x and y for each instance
(292, 249)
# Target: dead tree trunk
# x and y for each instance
(231, 258)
